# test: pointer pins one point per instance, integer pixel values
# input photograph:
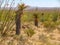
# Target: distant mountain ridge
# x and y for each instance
(33, 8)
(43, 8)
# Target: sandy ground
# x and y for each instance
(41, 36)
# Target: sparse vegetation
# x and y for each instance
(30, 32)
(40, 27)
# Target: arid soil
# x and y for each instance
(41, 36)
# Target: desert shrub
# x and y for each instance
(46, 17)
(27, 17)
(30, 32)
(6, 21)
(49, 24)
(54, 17)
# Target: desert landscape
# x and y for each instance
(27, 25)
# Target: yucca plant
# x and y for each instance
(35, 19)
(19, 13)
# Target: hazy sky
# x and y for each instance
(43, 3)
(39, 3)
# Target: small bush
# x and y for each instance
(49, 24)
(29, 32)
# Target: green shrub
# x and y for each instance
(29, 32)
(54, 18)
(49, 24)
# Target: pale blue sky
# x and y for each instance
(38, 3)
(43, 3)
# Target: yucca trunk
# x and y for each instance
(35, 20)
(18, 23)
